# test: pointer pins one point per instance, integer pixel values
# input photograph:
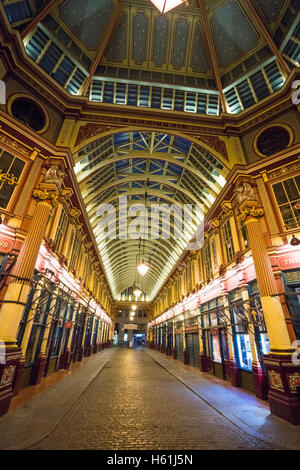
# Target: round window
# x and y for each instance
(273, 140)
(29, 112)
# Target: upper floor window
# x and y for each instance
(228, 241)
(11, 169)
(244, 233)
(273, 140)
(61, 229)
(207, 261)
(75, 253)
(287, 194)
(29, 113)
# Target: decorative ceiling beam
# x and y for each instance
(84, 176)
(105, 38)
(261, 26)
(212, 53)
(44, 12)
(88, 197)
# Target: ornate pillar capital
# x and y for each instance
(250, 210)
(43, 194)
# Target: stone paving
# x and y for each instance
(134, 403)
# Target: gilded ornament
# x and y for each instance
(54, 175)
(9, 178)
(74, 212)
(275, 380)
(252, 212)
(65, 194)
(43, 195)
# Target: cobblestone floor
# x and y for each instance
(136, 404)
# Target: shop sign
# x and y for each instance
(68, 324)
(130, 326)
(6, 244)
(191, 328)
(289, 261)
(293, 276)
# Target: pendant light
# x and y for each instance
(166, 5)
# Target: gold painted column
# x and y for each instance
(273, 312)
(16, 296)
(282, 370)
(18, 289)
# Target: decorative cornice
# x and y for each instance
(14, 145)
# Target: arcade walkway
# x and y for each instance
(135, 399)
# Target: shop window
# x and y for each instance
(228, 241)
(244, 351)
(215, 343)
(287, 194)
(61, 229)
(207, 261)
(210, 320)
(292, 289)
(240, 330)
(42, 309)
(257, 316)
(10, 172)
(29, 113)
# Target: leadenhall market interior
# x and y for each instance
(150, 224)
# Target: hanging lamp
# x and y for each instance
(166, 5)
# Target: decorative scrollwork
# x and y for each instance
(10, 178)
(255, 212)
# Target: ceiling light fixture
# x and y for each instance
(143, 268)
(137, 292)
(166, 5)
(133, 307)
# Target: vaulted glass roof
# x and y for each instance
(212, 57)
(147, 168)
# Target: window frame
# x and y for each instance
(278, 213)
(225, 242)
(18, 186)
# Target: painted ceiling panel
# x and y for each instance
(271, 8)
(180, 43)
(140, 28)
(87, 19)
(161, 26)
(234, 35)
(117, 49)
(199, 61)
